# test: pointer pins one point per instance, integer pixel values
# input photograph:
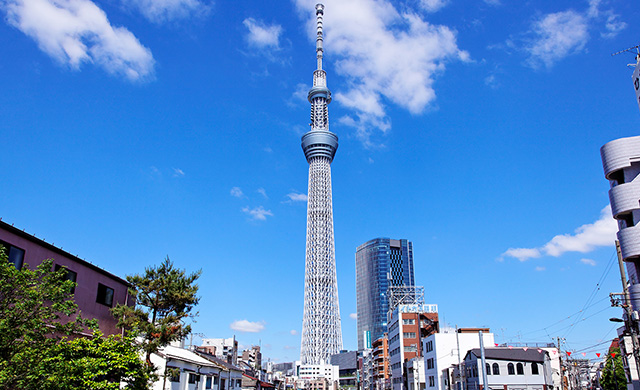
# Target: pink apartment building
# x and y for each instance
(97, 290)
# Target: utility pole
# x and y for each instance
(460, 370)
(630, 322)
(484, 363)
(561, 366)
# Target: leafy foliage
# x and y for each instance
(37, 318)
(613, 376)
(165, 297)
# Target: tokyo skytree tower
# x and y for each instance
(321, 330)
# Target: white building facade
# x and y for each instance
(442, 351)
(508, 369)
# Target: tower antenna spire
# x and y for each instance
(319, 20)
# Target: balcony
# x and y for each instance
(630, 241)
(624, 198)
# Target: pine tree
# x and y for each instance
(165, 297)
(613, 376)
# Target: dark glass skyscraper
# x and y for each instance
(380, 264)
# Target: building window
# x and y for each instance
(487, 369)
(215, 381)
(408, 321)
(193, 378)
(105, 295)
(429, 364)
(432, 381)
(510, 369)
(430, 346)
(520, 369)
(68, 275)
(15, 254)
(409, 335)
(496, 369)
(411, 348)
(534, 369)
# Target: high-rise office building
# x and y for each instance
(321, 329)
(380, 263)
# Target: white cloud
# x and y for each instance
(247, 326)
(262, 35)
(159, 11)
(237, 192)
(590, 262)
(295, 197)
(433, 5)
(540, 269)
(560, 34)
(177, 172)
(557, 35)
(613, 26)
(493, 2)
(585, 239)
(353, 316)
(262, 192)
(74, 32)
(257, 213)
(386, 55)
(293, 332)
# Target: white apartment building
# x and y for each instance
(415, 374)
(442, 351)
(226, 349)
(310, 372)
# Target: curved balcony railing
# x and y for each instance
(630, 241)
(624, 198)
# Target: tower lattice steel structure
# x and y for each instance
(321, 330)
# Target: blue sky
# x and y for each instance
(138, 129)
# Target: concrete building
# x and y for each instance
(253, 357)
(443, 351)
(226, 349)
(408, 326)
(381, 370)
(97, 290)
(380, 263)
(347, 362)
(308, 373)
(621, 163)
(508, 369)
(415, 374)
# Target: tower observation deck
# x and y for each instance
(321, 329)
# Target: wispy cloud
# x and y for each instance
(585, 239)
(557, 35)
(540, 269)
(262, 192)
(160, 11)
(289, 347)
(386, 54)
(590, 262)
(257, 213)
(262, 35)
(237, 192)
(433, 5)
(293, 332)
(74, 32)
(353, 316)
(177, 172)
(247, 326)
(296, 197)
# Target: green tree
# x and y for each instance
(97, 363)
(165, 297)
(37, 316)
(613, 376)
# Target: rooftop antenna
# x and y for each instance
(637, 50)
